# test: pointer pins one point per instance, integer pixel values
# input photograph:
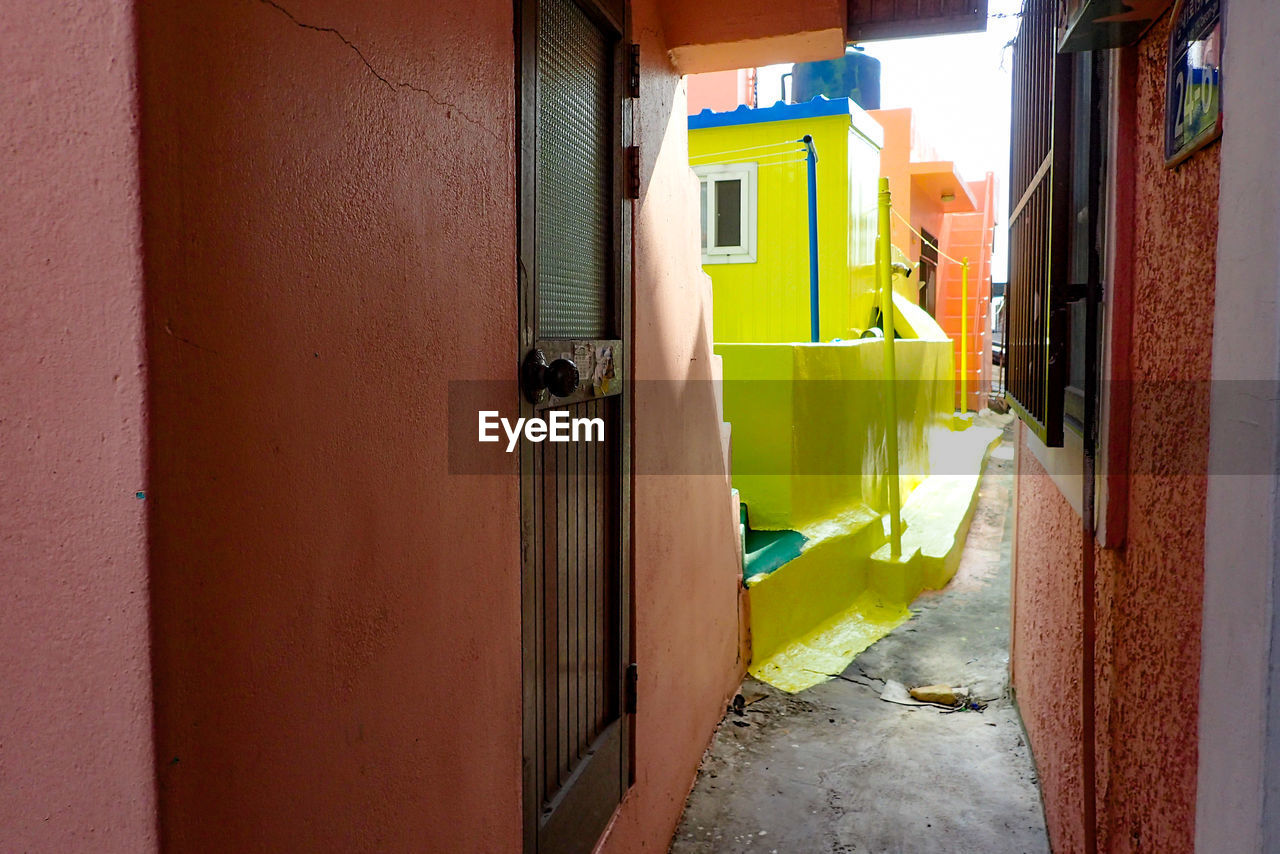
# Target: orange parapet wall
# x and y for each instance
(903, 147)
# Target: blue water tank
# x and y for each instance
(854, 75)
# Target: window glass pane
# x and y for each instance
(729, 213)
(575, 173)
(1082, 114)
(1076, 316)
(702, 186)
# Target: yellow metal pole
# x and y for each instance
(964, 335)
(885, 276)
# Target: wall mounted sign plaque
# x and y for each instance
(1193, 88)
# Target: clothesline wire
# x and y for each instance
(925, 240)
(739, 150)
(750, 159)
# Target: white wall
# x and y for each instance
(1238, 796)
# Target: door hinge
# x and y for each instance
(633, 71)
(629, 689)
(633, 171)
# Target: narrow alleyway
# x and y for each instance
(837, 769)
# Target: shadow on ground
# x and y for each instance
(837, 769)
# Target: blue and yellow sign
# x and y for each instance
(1193, 93)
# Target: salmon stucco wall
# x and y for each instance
(76, 769)
(330, 221)
(1149, 591)
(329, 216)
(1047, 641)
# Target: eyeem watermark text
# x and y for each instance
(556, 427)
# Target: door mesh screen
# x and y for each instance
(575, 174)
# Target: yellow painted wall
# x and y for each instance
(808, 424)
(809, 419)
(864, 179)
(768, 300)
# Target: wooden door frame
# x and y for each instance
(617, 14)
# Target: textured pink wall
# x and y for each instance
(686, 573)
(1047, 642)
(1150, 796)
(76, 770)
(1150, 592)
(330, 225)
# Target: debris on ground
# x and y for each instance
(895, 692)
(738, 705)
(840, 768)
(943, 695)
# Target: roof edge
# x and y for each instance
(819, 107)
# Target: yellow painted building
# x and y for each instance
(755, 218)
(825, 458)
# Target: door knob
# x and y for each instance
(562, 377)
(537, 378)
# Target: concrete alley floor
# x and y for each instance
(837, 769)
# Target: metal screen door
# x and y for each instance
(574, 270)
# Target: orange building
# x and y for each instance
(942, 217)
(969, 235)
(721, 91)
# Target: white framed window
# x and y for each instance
(728, 207)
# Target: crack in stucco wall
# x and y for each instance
(393, 85)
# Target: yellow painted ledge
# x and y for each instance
(812, 616)
(828, 649)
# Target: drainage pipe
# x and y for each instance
(811, 157)
(964, 335)
(884, 274)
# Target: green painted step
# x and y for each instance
(765, 551)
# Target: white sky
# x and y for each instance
(959, 88)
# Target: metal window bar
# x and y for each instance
(1035, 334)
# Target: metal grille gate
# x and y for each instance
(1039, 171)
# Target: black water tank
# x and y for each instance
(854, 75)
